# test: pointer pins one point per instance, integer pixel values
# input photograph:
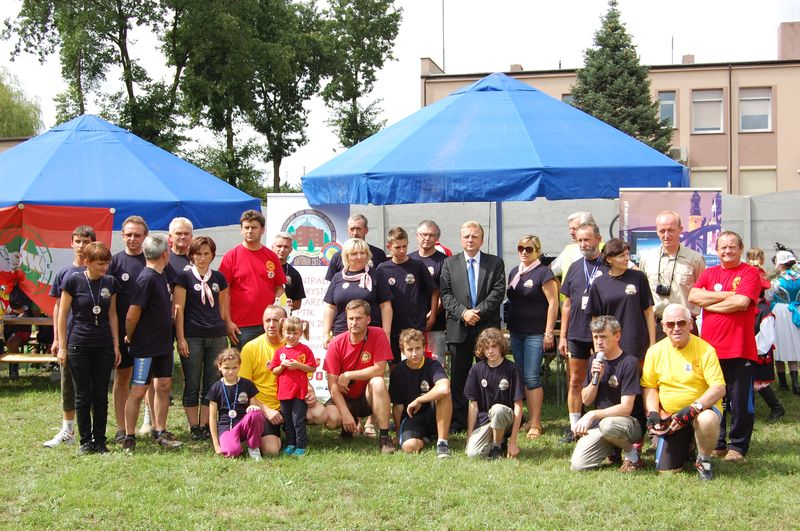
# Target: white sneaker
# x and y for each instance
(146, 429)
(254, 453)
(62, 437)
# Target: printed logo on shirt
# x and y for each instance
(187, 267)
(717, 287)
(283, 356)
(124, 277)
(198, 287)
(430, 270)
(503, 385)
(243, 398)
(410, 279)
(613, 381)
(105, 293)
(366, 357)
(392, 281)
(528, 283)
(736, 282)
(598, 273)
(215, 287)
(301, 358)
(484, 383)
(630, 289)
(424, 386)
(345, 285)
(687, 367)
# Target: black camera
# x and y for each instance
(663, 290)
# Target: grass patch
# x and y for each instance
(349, 485)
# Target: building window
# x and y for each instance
(666, 107)
(567, 98)
(707, 111)
(755, 109)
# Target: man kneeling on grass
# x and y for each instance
(355, 363)
(683, 389)
(495, 393)
(420, 393)
(612, 383)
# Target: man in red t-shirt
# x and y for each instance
(255, 278)
(355, 363)
(728, 294)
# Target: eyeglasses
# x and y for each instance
(528, 250)
(672, 324)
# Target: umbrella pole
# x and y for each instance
(498, 224)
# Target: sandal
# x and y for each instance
(369, 430)
(535, 432)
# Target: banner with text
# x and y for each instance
(700, 210)
(318, 233)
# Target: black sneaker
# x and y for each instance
(443, 450)
(206, 432)
(86, 449)
(197, 433)
(129, 445)
(101, 448)
(495, 453)
(568, 438)
(703, 467)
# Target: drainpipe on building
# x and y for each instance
(730, 128)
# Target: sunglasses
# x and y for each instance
(528, 249)
(672, 324)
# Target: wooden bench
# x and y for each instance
(27, 357)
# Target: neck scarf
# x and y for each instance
(363, 279)
(205, 290)
(521, 271)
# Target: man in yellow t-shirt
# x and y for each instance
(683, 387)
(256, 356)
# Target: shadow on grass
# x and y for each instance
(27, 382)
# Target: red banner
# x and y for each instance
(35, 243)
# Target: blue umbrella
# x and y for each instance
(90, 162)
(496, 140)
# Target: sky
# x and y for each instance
(480, 36)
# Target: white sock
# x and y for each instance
(147, 419)
(254, 453)
(573, 420)
(441, 441)
(632, 456)
(68, 426)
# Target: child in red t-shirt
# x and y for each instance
(291, 364)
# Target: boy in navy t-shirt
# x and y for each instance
(495, 393)
(420, 393)
(413, 289)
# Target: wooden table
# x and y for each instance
(27, 357)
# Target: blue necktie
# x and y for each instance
(473, 290)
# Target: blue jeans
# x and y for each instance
(248, 333)
(199, 367)
(528, 351)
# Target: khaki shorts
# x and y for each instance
(594, 447)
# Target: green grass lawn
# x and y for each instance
(350, 485)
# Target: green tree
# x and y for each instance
(613, 86)
(290, 62)
(92, 38)
(363, 34)
(237, 168)
(19, 115)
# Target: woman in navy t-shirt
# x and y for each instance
(92, 345)
(533, 294)
(358, 280)
(200, 299)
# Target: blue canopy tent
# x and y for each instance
(90, 162)
(495, 140)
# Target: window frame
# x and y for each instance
(720, 101)
(768, 99)
(674, 119)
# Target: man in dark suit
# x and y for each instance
(472, 287)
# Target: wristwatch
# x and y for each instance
(697, 406)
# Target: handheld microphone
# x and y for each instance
(596, 376)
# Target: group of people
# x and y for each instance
(246, 369)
